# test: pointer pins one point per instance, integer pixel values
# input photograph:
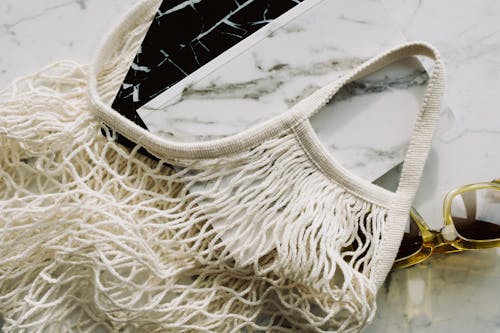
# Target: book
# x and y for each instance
(209, 69)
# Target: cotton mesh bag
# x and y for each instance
(262, 231)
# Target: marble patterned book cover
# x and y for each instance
(184, 36)
(216, 79)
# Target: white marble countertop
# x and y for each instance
(453, 292)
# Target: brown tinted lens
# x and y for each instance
(412, 240)
(476, 214)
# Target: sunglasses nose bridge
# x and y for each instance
(445, 236)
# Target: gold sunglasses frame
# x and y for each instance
(446, 240)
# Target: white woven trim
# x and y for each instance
(327, 163)
(413, 166)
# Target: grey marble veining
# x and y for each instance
(279, 73)
(36, 33)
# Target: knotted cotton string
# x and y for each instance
(96, 237)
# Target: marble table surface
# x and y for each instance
(453, 292)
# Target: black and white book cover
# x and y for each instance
(186, 35)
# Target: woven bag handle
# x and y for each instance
(428, 115)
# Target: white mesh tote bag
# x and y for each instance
(262, 231)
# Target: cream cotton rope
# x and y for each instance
(259, 232)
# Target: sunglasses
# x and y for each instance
(471, 222)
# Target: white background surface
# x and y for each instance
(453, 292)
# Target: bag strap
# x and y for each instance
(428, 115)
